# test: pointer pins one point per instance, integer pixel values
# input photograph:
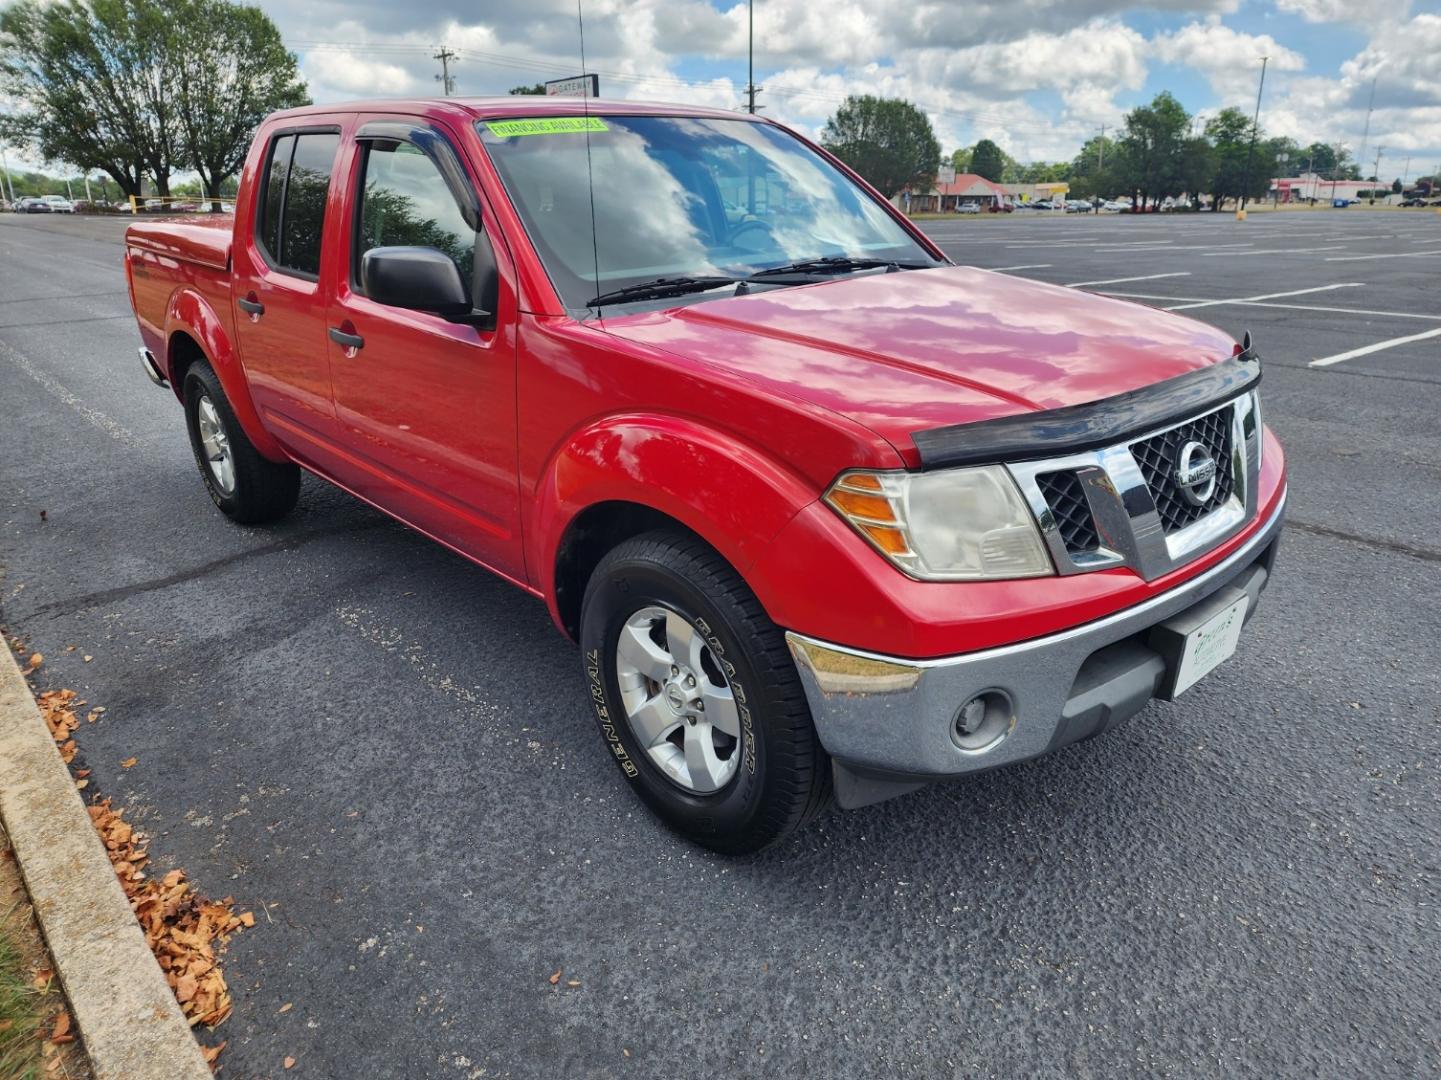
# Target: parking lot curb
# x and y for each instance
(132, 1026)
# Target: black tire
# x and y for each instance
(263, 490)
(783, 779)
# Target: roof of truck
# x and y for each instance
(519, 105)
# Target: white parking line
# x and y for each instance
(1387, 255)
(1281, 251)
(1119, 280)
(1023, 266)
(1287, 307)
(1327, 361)
(1267, 296)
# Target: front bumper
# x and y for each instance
(889, 723)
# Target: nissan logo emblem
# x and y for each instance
(1196, 473)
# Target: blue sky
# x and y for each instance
(1039, 77)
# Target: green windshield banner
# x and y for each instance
(547, 125)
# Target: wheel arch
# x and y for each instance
(630, 475)
(193, 331)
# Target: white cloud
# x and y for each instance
(348, 73)
(1230, 60)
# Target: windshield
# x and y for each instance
(681, 197)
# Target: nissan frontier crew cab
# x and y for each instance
(828, 516)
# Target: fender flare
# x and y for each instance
(726, 490)
(191, 314)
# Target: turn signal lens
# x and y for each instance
(854, 504)
(949, 525)
(891, 541)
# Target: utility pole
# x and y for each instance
(1101, 150)
(445, 56)
(5, 164)
(1376, 173)
(1255, 130)
(751, 88)
(1366, 133)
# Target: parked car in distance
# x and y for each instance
(828, 516)
(1078, 206)
(34, 204)
(59, 204)
(968, 208)
(1000, 206)
(1415, 200)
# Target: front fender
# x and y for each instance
(190, 314)
(727, 491)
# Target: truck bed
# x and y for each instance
(166, 257)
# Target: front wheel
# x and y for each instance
(697, 696)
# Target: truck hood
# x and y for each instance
(905, 352)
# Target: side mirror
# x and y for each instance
(420, 279)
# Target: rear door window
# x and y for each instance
(292, 220)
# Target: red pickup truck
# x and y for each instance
(829, 516)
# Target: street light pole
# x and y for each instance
(1255, 130)
(751, 86)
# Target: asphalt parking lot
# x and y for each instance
(387, 754)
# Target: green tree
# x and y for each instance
(961, 160)
(74, 72)
(887, 140)
(233, 71)
(533, 88)
(141, 87)
(987, 160)
(1152, 149)
(1237, 171)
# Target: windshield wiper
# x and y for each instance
(661, 287)
(832, 264)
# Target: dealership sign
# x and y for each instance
(575, 86)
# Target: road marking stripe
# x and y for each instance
(116, 430)
(1023, 266)
(1283, 251)
(1287, 307)
(1119, 280)
(1267, 296)
(1327, 361)
(1387, 255)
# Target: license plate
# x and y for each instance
(1209, 644)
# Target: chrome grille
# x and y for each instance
(1120, 505)
(1157, 458)
(1067, 499)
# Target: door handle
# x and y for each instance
(350, 341)
(250, 306)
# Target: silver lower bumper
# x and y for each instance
(890, 723)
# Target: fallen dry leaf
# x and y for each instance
(6, 1025)
(35, 661)
(287, 1007)
(62, 1026)
(129, 763)
(81, 785)
(290, 1063)
(572, 982)
(247, 918)
(88, 658)
(212, 1052)
(556, 977)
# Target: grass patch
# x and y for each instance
(21, 1012)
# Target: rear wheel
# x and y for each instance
(247, 487)
(697, 696)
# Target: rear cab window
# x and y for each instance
(291, 218)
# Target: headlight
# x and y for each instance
(950, 525)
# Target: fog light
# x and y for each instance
(983, 721)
